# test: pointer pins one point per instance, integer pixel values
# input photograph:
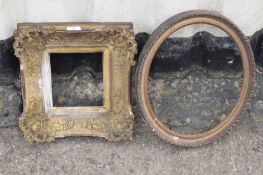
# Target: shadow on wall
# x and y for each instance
(203, 49)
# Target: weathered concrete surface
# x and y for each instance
(81, 87)
(187, 91)
(194, 100)
(239, 152)
(10, 105)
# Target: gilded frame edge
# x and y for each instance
(48, 104)
(31, 40)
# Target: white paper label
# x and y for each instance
(74, 28)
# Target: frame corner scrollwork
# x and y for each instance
(40, 121)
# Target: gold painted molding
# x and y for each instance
(40, 121)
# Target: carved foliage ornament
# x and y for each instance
(41, 121)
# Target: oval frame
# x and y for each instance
(147, 55)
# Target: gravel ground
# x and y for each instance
(240, 151)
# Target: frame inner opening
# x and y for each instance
(77, 79)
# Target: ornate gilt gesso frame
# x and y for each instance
(42, 122)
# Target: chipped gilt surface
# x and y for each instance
(31, 41)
